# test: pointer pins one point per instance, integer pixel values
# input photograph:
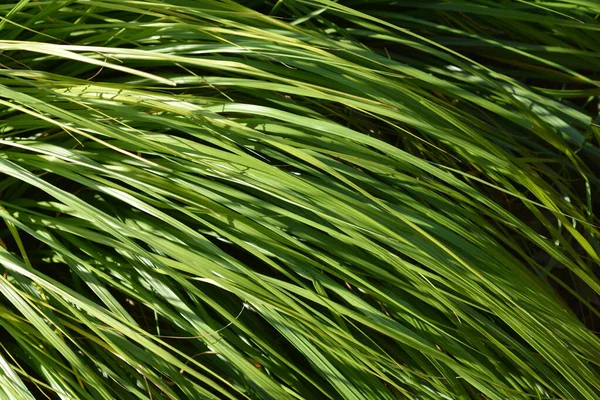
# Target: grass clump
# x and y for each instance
(299, 200)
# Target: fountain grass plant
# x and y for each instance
(299, 199)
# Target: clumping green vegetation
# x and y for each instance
(296, 199)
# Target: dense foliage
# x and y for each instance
(299, 199)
